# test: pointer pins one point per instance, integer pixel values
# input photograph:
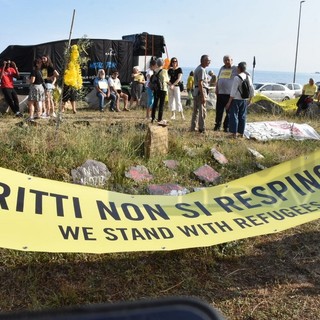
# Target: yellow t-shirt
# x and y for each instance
(309, 90)
(225, 74)
(138, 77)
(190, 83)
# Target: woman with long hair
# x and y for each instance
(49, 75)
(175, 76)
(36, 91)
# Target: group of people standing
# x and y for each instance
(230, 103)
(229, 97)
(169, 80)
(231, 107)
(42, 81)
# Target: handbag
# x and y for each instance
(181, 86)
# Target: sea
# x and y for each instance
(266, 76)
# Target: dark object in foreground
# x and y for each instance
(168, 309)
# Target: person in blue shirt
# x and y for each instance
(101, 85)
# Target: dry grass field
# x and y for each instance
(268, 277)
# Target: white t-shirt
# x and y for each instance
(149, 73)
(115, 83)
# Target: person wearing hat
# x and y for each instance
(237, 106)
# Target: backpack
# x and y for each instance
(154, 83)
(245, 88)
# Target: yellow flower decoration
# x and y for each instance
(72, 74)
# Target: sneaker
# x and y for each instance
(44, 116)
(163, 123)
(53, 115)
(173, 117)
(30, 119)
(19, 114)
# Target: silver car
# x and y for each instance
(274, 91)
(296, 87)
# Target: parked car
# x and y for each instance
(274, 91)
(296, 87)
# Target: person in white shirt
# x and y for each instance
(115, 89)
(237, 106)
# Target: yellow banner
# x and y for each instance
(44, 215)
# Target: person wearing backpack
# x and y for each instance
(159, 92)
(241, 93)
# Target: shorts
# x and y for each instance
(36, 93)
(49, 86)
(69, 94)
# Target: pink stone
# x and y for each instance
(138, 174)
(207, 174)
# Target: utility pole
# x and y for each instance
(297, 45)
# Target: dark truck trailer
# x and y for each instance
(145, 47)
(132, 50)
(102, 54)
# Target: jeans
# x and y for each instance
(113, 98)
(150, 98)
(237, 116)
(101, 98)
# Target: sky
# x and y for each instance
(243, 29)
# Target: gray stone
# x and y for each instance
(265, 106)
(171, 164)
(255, 153)
(92, 173)
(260, 166)
(207, 174)
(138, 174)
(313, 111)
(168, 189)
(219, 156)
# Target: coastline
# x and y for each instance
(265, 76)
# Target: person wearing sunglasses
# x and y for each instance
(175, 76)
